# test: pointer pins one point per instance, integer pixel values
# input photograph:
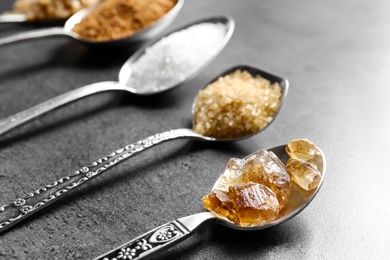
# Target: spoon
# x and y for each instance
(167, 235)
(26, 206)
(124, 84)
(142, 35)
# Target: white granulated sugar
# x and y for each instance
(175, 57)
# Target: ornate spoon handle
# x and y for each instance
(26, 206)
(153, 241)
(11, 122)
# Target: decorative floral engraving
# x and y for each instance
(165, 234)
(85, 173)
(126, 253)
(26, 208)
(149, 242)
(19, 202)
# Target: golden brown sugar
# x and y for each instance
(255, 203)
(252, 191)
(301, 149)
(303, 163)
(40, 10)
(219, 202)
(267, 169)
(305, 174)
(247, 204)
(236, 105)
(232, 174)
(116, 19)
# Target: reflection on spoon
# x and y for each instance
(12, 18)
(167, 235)
(142, 35)
(127, 75)
(24, 207)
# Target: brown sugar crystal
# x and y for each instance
(116, 19)
(219, 202)
(305, 174)
(267, 169)
(301, 149)
(303, 164)
(255, 203)
(248, 204)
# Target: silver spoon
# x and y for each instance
(143, 35)
(11, 122)
(167, 235)
(24, 207)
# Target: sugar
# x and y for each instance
(175, 57)
(241, 103)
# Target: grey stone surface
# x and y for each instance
(336, 56)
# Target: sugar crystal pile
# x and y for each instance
(303, 163)
(252, 191)
(236, 105)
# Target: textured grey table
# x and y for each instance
(336, 55)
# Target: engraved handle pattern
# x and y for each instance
(149, 242)
(153, 241)
(11, 122)
(24, 207)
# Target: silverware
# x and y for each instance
(167, 235)
(24, 207)
(14, 121)
(143, 35)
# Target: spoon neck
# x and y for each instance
(194, 221)
(12, 18)
(34, 34)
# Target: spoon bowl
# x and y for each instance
(298, 199)
(67, 30)
(167, 235)
(283, 83)
(124, 83)
(127, 68)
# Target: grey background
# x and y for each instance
(336, 55)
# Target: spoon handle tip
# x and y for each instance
(162, 237)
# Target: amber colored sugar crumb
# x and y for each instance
(116, 19)
(236, 105)
(249, 204)
(40, 10)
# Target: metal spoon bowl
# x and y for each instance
(141, 36)
(167, 235)
(24, 207)
(14, 121)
